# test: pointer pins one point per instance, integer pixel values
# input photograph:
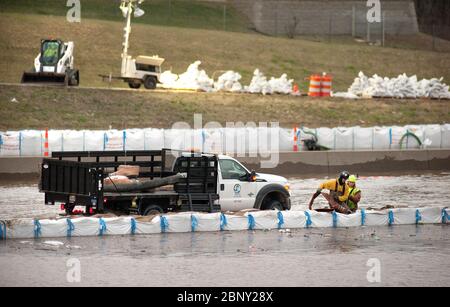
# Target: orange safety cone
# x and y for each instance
(315, 85)
(326, 86)
(46, 144)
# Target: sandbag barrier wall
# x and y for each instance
(201, 222)
(230, 140)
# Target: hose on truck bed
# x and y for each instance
(146, 185)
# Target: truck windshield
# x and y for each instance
(50, 53)
(231, 169)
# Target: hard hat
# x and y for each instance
(352, 178)
(344, 175)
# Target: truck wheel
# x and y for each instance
(273, 205)
(150, 83)
(153, 210)
(134, 85)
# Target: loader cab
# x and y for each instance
(51, 52)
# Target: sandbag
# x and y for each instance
(73, 140)
(10, 143)
(153, 139)
(94, 140)
(134, 139)
(363, 138)
(114, 140)
(32, 143)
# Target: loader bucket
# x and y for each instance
(44, 78)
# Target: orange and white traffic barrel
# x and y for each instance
(315, 86)
(295, 147)
(327, 83)
(46, 152)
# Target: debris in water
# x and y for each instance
(54, 243)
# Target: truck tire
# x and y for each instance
(134, 85)
(153, 210)
(273, 204)
(150, 83)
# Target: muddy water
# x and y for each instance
(408, 255)
(18, 201)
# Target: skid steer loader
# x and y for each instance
(54, 65)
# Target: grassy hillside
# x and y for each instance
(98, 40)
(60, 108)
(98, 49)
(177, 13)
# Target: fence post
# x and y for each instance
(434, 36)
(383, 29)
(368, 31)
(276, 19)
(353, 21)
(170, 10)
(224, 17)
(330, 29)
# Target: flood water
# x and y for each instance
(408, 255)
(18, 201)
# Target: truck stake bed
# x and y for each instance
(77, 179)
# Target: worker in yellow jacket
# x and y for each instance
(339, 193)
(354, 196)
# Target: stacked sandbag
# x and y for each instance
(192, 79)
(229, 82)
(399, 87)
(260, 85)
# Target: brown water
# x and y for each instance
(18, 201)
(409, 255)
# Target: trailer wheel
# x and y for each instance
(153, 210)
(150, 83)
(69, 208)
(134, 85)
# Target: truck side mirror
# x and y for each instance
(252, 176)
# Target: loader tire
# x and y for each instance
(150, 83)
(74, 78)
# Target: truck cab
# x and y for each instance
(240, 188)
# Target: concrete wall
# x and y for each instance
(326, 17)
(362, 162)
(301, 164)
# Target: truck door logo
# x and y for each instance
(237, 190)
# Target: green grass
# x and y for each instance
(60, 108)
(176, 13)
(98, 49)
(98, 40)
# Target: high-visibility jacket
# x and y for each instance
(342, 190)
(351, 205)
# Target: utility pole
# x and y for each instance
(127, 31)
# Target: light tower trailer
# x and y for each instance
(144, 70)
